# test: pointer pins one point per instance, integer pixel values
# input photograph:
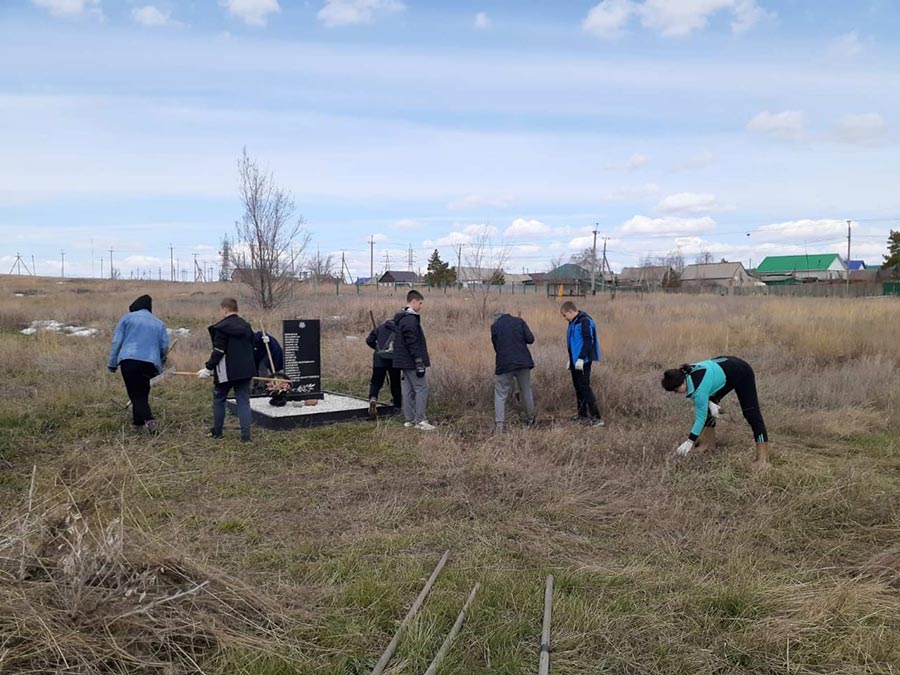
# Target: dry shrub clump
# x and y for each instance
(84, 594)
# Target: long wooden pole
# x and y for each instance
(451, 636)
(383, 661)
(268, 351)
(544, 666)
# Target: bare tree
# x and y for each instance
(485, 260)
(557, 261)
(321, 268)
(267, 233)
(703, 258)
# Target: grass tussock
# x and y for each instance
(301, 552)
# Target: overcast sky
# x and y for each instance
(738, 127)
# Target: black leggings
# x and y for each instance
(739, 378)
(137, 376)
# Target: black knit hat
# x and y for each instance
(143, 302)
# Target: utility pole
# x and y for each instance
(605, 264)
(410, 259)
(594, 262)
(848, 242)
(111, 268)
(62, 268)
(93, 276)
(171, 262)
(387, 261)
(18, 265)
(458, 260)
(101, 266)
(371, 259)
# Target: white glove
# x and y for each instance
(204, 373)
(265, 338)
(568, 364)
(714, 410)
(684, 448)
(579, 364)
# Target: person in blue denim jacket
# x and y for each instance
(139, 348)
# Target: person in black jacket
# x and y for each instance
(511, 336)
(383, 367)
(232, 364)
(411, 357)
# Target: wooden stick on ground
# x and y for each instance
(442, 652)
(383, 661)
(544, 666)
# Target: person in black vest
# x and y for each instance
(261, 354)
(379, 339)
(411, 357)
(511, 336)
(232, 364)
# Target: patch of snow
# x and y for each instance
(20, 295)
(83, 332)
(58, 327)
(352, 337)
(178, 332)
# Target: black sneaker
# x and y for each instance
(212, 434)
(150, 428)
(245, 439)
(598, 422)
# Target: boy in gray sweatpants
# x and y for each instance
(511, 336)
(411, 358)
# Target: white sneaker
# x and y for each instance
(425, 426)
(408, 424)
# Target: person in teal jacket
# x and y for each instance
(707, 383)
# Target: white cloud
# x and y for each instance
(668, 225)
(251, 12)
(468, 235)
(798, 230)
(846, 46)
(142, 261)
(636, 161)
(151, 16)
(670, 18)
(683, 17)
(477, 202)
(482, 21)
(68, 7)
(689, 202)
(353, 12)
(526, 228)
(865, 129)
(608, 18)
(379, 238)
(786, 125)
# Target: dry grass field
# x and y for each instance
(301, 552)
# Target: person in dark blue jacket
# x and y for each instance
(379, 339)
(584, 350)
(261, 355)
(706, 383)
(511, 336)
(139, 348)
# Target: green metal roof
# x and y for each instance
(568, 272)
(793, 263)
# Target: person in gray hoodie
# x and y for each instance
(411, 358)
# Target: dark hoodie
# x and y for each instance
(143, 302)
(378, 339)
(409, 343)
(232, 354)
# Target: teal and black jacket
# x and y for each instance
(704, 380)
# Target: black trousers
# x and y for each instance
(740, 379)
(587, 403)
(136, 375)
(379, 374)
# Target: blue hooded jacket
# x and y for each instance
(582, 339)
(139, 336)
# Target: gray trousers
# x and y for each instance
(503, 387)
(415, 396)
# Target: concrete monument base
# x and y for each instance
(331, 409)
